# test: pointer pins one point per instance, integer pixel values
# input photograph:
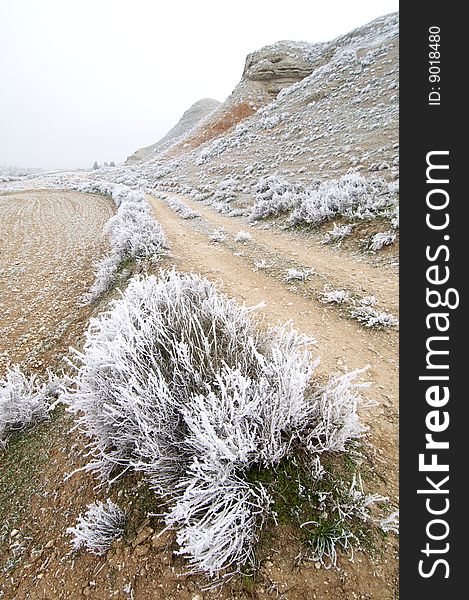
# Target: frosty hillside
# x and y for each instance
(198, 359)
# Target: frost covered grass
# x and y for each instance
(351, 196)
(133, 234)
(324, 498)
(381, 239)
(178, 382)
(24, 401)
(95, 530)
(243, 237)
(181, 208)
(334, 297)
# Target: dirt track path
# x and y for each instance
(330, 266)
(341, 342)
(48, 242)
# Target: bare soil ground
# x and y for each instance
(38, 562)
(48, 242)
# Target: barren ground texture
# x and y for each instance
(49, 242)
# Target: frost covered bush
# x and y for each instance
(271, 121)
(352, 196)
(379, 240)
(337, 234)
(217, 148)
(217, 235)
(296, 275)
(24, 401)
(178, 382)
(373, 318)
(181, 208)
(243, 237)
(101, 524)
(274, 195)
(133, 234)
(334, 297)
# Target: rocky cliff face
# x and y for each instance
(266, 72)
(279, 65)
(191, 117)
(305, 111)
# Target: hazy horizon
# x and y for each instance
(86, 81)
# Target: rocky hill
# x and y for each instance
(189, 119)
(304, 113)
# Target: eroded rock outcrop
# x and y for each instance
(191, 117)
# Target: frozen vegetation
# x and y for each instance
(352, 196)
(335, 297)
(95, 530)
(178, 382)
(182, 385)
(25, 401)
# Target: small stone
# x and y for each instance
(14, 533)
(142, 535)
(160, 541)
(141, 550)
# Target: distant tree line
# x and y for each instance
(98, 166)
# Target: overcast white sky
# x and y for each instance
(86, 80)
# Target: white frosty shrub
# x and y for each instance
(334, 297)
(178, 382)
(395, 218)
(352, 196)
(217, 235)
(367, 301)
(243, 237)
(296, 275)
(379, 240)
(274, 196)
(373, 318)
(181, 208)
(101, 524)
(335, 407)
(261, 264)
(24, 401)
(337, 234)
(133, 234)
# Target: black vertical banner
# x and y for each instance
(433, 329)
